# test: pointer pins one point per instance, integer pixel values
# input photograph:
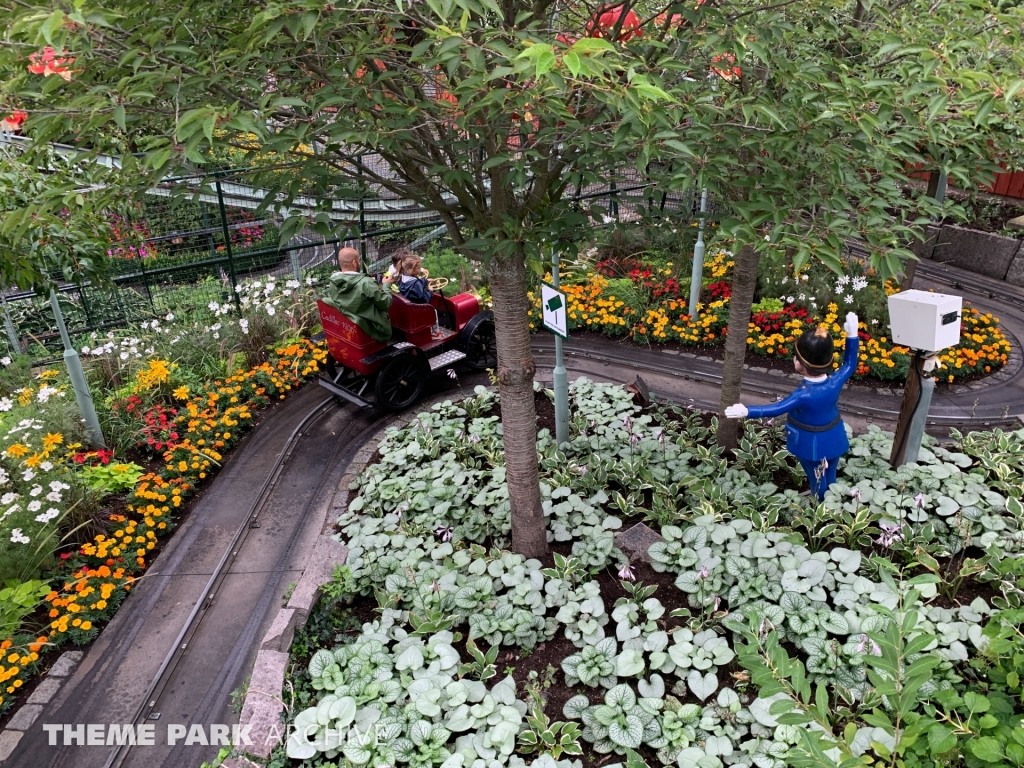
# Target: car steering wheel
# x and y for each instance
(437, 283)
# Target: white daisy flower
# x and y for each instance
(8, 498)
(54, 496)
(848, 298)
(6, 404)
(18, 537)
(36, 490)
(47, 516)
(35, 505)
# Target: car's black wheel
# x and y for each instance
(400, 381)
(479, 342)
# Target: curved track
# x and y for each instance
(188, 635)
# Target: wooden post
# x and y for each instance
(911, 397)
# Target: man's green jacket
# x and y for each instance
(362, 301)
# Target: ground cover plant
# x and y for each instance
(78, 526)
(648, 302)
(878, 627)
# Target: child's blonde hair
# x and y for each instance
(411, 265)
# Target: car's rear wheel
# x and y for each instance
(479, 343)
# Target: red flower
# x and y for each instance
(49, 62)
(13, 121)
(606, 19)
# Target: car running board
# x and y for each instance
(445, 359)
(340, 391)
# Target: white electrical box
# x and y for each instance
(925, 321)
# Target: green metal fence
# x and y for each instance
(199, 236)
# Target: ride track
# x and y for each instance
(212, 650)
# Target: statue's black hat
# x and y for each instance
(816, 350)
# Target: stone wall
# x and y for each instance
(995, 256)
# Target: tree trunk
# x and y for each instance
(518, 416)
(744, 282)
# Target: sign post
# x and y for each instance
(554, 318)
(698, 258)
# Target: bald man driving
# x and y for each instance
(357, 296)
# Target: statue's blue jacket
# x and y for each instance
(814, 430)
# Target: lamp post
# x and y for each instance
(698, 258)
(78, 382)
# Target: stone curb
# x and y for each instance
(44, 693)
(264, 706)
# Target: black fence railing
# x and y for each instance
(200, 236)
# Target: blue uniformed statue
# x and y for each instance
(815, 432)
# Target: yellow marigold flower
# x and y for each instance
(181, 393)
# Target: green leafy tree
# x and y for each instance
(472, 108)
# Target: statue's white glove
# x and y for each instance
(851, 325)
(738, 411)
(931, 363)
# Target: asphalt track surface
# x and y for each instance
(137, 659)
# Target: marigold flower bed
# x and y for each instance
(652, 309)
(102, 573)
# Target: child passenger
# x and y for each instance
(412, 285)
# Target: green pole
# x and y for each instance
(12, 334)
(697, 274)
(78, 382)
(560, 379)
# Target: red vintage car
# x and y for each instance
(396, 371)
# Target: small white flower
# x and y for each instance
(123, 355)
(18, 537)
(271, 311)
(45, 393)
(213, 306)
(848, 298)
(27, 475)
(805, 278)
(36, 490)
(85, 350)
(47, 516)
(170, 317)
(54, 496)
(244, 325)
(859, 283)
(46, 466)
(8, 498)
(35, 505)
(842, 280)
(5, 404)
(5, 361)
(57, 485)
(626, 572)
(790, 299)
(292, 284)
